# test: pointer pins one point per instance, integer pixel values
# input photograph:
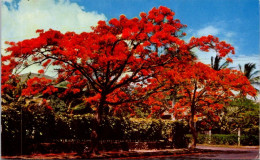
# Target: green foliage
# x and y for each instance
(22, 126)
(201, 138)
(11, 130)
(144, 129)
(251, 74)
(215, 63)
(142, 111)
(25, 122)
(250, 140)
(82, 108)
(73, 126)
(57, 104)
(80, 127)
(241, 113)
(179, 139)
(227, 139)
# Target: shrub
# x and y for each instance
(249, 140)
(143, 129)
(115, 128)
(179, 139)
(21, 127)
(31, 128)
(228, 139)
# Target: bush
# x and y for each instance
(33, 128)
(251, 140)
(115, 128)
(143, 129)
(73, 126)
(228, 139)
(179, 139)
(21, 127)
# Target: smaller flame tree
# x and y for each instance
(204, 92)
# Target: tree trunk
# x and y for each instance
(193, 128)
(100, 109)
(96, 127)
(194, 134)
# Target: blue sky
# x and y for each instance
(235, 21)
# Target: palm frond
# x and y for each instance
(224, 65)
(248, 68)
(253, 74)
(240, 68)
(231, 67)
(255, 83)
(255, 80)
(215, 63)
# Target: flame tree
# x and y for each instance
(204, 91)
(106, 64)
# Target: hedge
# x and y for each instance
(22, 128)
(115, 128)
(228, 139)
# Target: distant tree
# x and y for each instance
(252, 75)
(240, 113)
(215, 63)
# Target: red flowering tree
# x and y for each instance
(194, 90)
(204, 91)
(107, 60)
(106, 64)
(200, 91)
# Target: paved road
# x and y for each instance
(219, 153)
(203, 152)
(233, 153)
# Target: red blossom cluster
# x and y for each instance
(38, 86)
(205, 43)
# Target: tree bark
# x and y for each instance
(194, 135)
(98, 119)
(100, 109)
(193, 129)
(191, 122)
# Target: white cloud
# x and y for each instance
(229, 37)
(204, 57)
(230, 34)
(209, 30)
(243, 59)
(216, 29)
(8, 1)
(20, 21)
